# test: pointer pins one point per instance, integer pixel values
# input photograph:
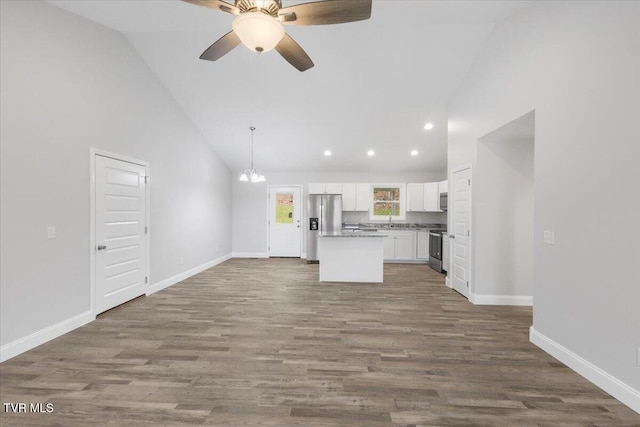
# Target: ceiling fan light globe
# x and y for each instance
(258, 31)
(244, 177)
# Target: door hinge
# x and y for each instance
(146, 279)
(467, 283)
(469, 182)
(146, 230)
(146, 179)
(468, 233)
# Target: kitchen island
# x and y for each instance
(351, 257)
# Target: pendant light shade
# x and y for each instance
(252, 174)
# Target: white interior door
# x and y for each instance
(120, 217)
(284, 222)
(460, 239)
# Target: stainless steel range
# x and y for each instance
(435, 249)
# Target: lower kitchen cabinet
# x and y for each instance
(399, 246)
(389, 248)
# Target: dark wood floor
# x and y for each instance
(261, 342)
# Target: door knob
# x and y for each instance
(452, 236)
(101, 247)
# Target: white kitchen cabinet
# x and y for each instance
(355, 197)
(316, 188)
(330, 188)
(389, 248)
(443, 187)
(399, 245)
(333, 188)
(405, 248)
(363, 197)
(415, 198)
(348, 197)
(431, 197)
(445, 252)
(422, 244)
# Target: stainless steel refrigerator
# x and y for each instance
(325, 217)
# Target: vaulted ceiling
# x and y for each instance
(374, 85)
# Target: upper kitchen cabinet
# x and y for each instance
(415, 198)
(355, 197)
(431, 197)
(330, 188)
(443, 187)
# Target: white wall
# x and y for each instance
(577, 65)
(503, 215)
(68, 85)
(250, 201)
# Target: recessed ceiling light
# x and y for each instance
(327, 153)
(414, 152)
(428, 126)
(371, 153)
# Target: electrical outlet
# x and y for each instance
(549, 237)
(51, 232)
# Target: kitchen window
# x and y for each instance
(387, 202)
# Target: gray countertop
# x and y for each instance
(393, 226)
(353, 234)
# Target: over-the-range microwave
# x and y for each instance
(443, 201)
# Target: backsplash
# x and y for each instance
(411, 217)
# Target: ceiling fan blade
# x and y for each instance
(216, 5)
(221, 47)
(326, 12)
(293, 53)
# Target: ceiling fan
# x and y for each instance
(259, 25)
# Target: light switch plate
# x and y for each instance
(549, 237)
(51, 232)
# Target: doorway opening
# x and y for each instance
(503, 215)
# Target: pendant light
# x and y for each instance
(252, 174)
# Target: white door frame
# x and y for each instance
(451, 184)
(269, 187)
(93, 152)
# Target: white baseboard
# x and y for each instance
(479, 299)
(163, 284)
(40, 337)
(607, 382)
(250, 255)
(448, 283)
